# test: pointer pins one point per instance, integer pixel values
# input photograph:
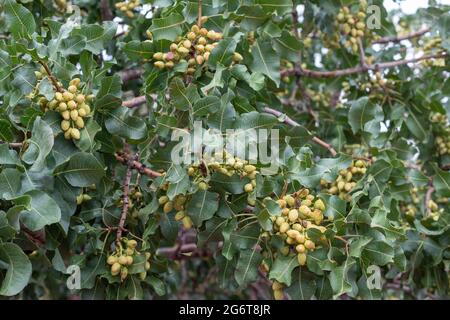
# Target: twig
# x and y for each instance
(51, 76)
(401, 38)
(291, 122)
(14, 145)
(134, 164)
(428, 195)
(131, 74)
(134, 102)
(125, 200)
(105, 10)
(362, 56)
(199, 19)
(360, 69)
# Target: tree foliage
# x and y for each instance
(92, 92)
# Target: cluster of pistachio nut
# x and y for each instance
(179, 205)
(433, 45)
(123, 258)
(73, 107)
(83, 197)
(227, 164)
(128, 7)
(346, 180)
(353, 26)
(434, 211)
(443, 144)
(437, 117)
(300, 212)
(195, 48)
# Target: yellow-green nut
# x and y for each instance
(74, 115)
(75, 134)
(115, 269)
(79, 123)
(62, 106)
(71, 104)
(163, 199)
(248, 187)
(301, 257)
(293, 215)
(65, 125)
(168, 207)
(319, 205)
(111, 260)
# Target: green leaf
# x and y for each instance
(247, 266)
(20, 21)
(361, 112)
(278, 6)
(441, 181)
(167, 28)
(40, 210)
(9, 183)
(96, 36)
(339, 278)
(87, 142)
(206, 105)
(222, 53)
(288, 46)
(265, 60)
(8, 156)
(40, 145)
(120, 123)
(283, 267)
(136, 50)
(19, 269)
(378, 252)
(183, 98)
(82, 170)
(303, 285)
(202, 206)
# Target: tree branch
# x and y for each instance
(398, 38)
(428, 195)
(199, 19)
(125, 200)
(360, 69)
(134, 102)
(14, 145)
(134, 164)
(51, 76)
(291, 122)
(105, 10)
(131, 74)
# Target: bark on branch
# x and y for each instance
(134, 164)
(293, 123)
(360, 69)
(398, 38)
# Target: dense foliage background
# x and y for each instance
(91, 92)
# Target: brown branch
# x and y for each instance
(105, 10)
(362, 56)
(134, 164)
(131, 74)
(428, 195)
(446, 166)
(37, 237)
(118, 35)
(293, 123)
(134, 102)
(14, 145)
(51, 76)
(199, 19)
(398, 38)
(360, 69)
(125, 200)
